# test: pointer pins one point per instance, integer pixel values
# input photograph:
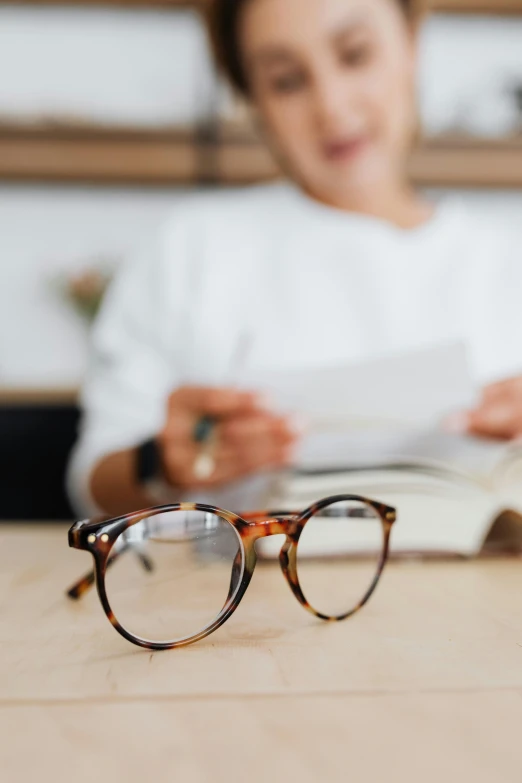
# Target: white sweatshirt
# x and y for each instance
(307, 285)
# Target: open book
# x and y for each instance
(378, 434)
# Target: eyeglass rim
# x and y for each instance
(99, 535)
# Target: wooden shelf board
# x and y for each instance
(126, 157)
(35, 396)
(513, 7)
(142, 157)
(132, 4)
(468, 163)
(450, 6)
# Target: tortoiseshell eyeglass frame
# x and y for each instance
(98, 537)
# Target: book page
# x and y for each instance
(434, 514)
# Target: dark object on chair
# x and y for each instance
(35, 443)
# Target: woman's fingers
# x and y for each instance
(188, 404)
(509, 389)
(256, 442)
(499, 419)
(256, 428)
(500, 413)
(246, 439)
(234, 466)
(230, 465)
(240, 431)
(212, 402)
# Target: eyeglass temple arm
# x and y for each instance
(86, 582)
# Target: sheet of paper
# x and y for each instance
(416, 388)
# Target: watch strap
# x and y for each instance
(148, 462)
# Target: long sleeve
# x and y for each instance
(137, 357)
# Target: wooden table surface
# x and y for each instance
(425, 684)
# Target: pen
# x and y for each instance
(205, 434)
(204, 429)
(205, 437)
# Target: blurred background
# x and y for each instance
(109, 112)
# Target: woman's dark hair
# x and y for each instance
(223, 22)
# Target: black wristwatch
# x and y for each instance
(148, 462)
(149, 471)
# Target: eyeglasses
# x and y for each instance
(172, 575)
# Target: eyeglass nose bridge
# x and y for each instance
(288, 526)
(274, 526)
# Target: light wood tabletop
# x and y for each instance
(425, 684)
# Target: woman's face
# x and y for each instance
(334, 85)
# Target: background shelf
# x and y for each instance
(468, 163)
(130, 156)
(478, 6)
(143, 4)
(452, 6)
(138, 157)
(38, 397)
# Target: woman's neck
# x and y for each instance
(399, 205)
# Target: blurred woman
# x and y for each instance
(343, 261)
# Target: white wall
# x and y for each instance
(142, 67)
(45, 234)
(469, 68)
(152, 67)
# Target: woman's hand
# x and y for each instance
(247, 437)
(499, 414)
